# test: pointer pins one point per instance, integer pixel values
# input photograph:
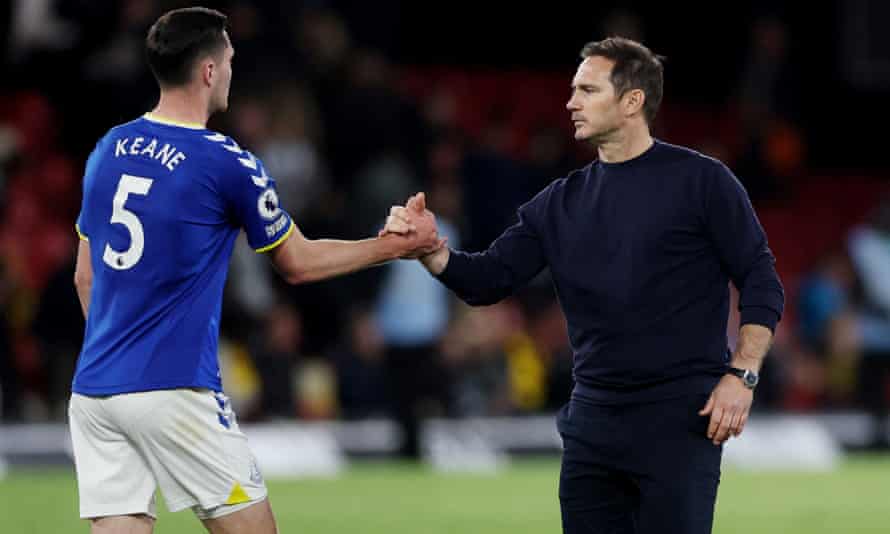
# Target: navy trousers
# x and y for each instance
(638, 468)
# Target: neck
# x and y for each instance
(182, 105)
(626, 144)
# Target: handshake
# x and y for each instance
(416, 225)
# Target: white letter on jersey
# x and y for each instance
(175, 160)
(120, 147)
(150, 149)
(121, 215)
(165, 152)
(136, 145)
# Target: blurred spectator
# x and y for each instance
(10, 382)
(495, 184)
(827, 313)
(412, 311)
(276, 353)
(474, 355)
(772, 149)
(289, 151)
(362, 387)
(58, 327)
(870, 251)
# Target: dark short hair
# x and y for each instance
(180, 37)
(636, 67)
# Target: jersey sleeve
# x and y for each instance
(253, 202)
(84, 226)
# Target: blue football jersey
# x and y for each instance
(162, 206)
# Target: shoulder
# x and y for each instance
(686, 156)
(704, 173)
(556, 191)
(229, 154)
(573, 180)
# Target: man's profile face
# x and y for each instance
(594, 106)
(220, 97)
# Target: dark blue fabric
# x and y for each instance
(642, 468)
(641, 254)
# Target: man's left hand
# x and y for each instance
(728, 406)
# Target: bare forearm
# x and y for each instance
(327, 258)
(83, 295)
(754, 342)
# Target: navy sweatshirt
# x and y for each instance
(641, 253)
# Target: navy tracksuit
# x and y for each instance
(641, 253)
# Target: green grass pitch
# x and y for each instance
(388, 498)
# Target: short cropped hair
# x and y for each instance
(636, 67)
(179, 38)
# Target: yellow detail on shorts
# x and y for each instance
(238, 495)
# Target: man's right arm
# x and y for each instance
(301, 260)
(487, 277)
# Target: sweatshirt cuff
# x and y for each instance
(456, 265)
(763, 316)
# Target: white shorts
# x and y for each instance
(187, 442)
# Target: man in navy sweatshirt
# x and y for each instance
(641, 245)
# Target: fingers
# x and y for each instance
(417, 203)
(398, 222)
(741, 426)
(399, 212)
(722, 433)
(714, 425)
(734, 425)
(395, 225)
(730, 423)
(708, 406)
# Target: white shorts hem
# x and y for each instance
(109, 511)
(219, 500)
(227, 509)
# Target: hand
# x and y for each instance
(416, 223)
(728, 405)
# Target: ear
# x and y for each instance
(633, 101)
(208, 72)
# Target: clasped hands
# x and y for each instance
(417, 225)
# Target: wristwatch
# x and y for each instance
(748, 377)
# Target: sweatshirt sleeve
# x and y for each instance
(742, 247)
(513, 259)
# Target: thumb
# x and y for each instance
(417, 203)
(708, 406)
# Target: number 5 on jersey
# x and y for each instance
(127, 259)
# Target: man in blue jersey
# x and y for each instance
(641, 245)
(163, 201)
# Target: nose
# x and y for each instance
(571, 105)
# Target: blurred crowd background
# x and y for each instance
(353, 106)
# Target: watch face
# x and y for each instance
(750, 379)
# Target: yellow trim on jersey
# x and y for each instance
(278, 241)
(171, 122)
(238, 495)
(80, 234)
